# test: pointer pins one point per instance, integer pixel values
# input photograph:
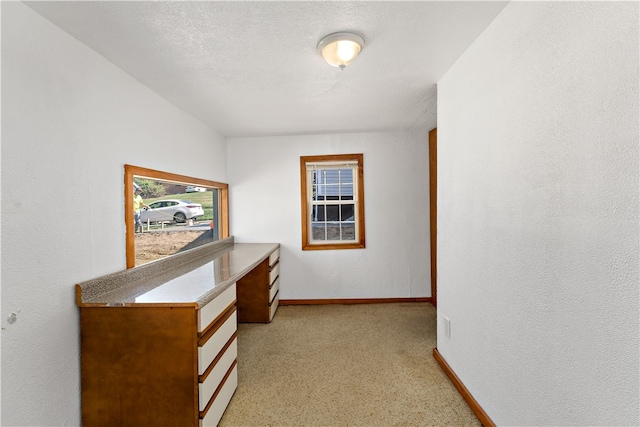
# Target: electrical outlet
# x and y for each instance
(447, 327)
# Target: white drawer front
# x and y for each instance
(211, 383)
(212, 347)
(209, 312)
(274, 306)
(274, 257)
(274, 288)
(213, 416)
(275, 272)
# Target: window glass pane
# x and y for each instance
(346, 175)
(320, 191)
(315, 191)
(333, 213)
(331, 176)
(144, 244)
(318, 231)
(346, 212)
(317, 213)
(333, 231)
(331, 191)
(346, 191)
(348, 231)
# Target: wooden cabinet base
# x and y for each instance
(139, 357)
(258, 292)
(148, 366)
(169, 357)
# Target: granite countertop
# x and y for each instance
(194, 277)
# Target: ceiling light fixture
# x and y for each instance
(339, 49)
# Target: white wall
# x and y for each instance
(538, 215)
(70, 121)
(264, 177)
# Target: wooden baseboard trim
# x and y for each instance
(351, 301)
(473, 404)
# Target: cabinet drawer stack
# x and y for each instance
(258, 291)
(159, 365)
(274, 282)
(217, 356)
(159, 341)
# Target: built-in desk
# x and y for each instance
(159, 341)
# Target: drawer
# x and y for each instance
(215, 412)
(275, 255)
(274, 272)
(273, 289)
(273, 305)
(214, 308)
(216, 342)
(215, 377)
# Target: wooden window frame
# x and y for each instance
(359, 205)
(131, 171)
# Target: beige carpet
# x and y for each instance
(344, 365)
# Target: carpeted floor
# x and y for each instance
(339, 365)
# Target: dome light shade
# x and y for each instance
(340, 49)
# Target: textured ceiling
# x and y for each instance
(252, 68)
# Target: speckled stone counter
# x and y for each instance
(193, 277)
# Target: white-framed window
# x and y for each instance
(332, 202)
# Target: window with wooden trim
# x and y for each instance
(332, 200)
(211, 196)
